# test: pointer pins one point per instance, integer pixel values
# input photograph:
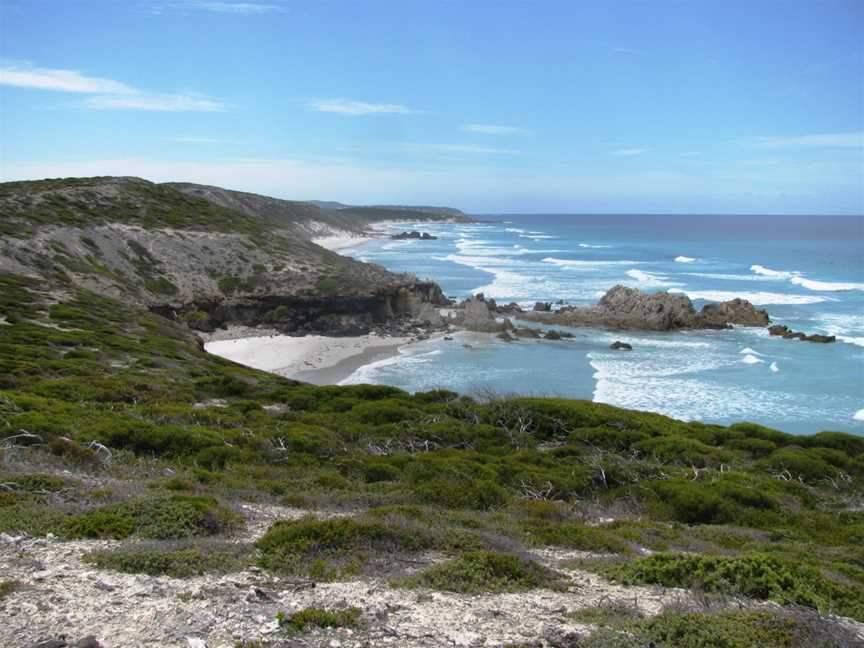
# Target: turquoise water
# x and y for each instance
(808, 273)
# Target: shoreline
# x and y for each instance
(322, 360)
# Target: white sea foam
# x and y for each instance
(368, 373)
(684, 259)
(723, 277)
(537, 237)
(829, 286)
(586, 265)
(759, 298)
(671, 384)
(774, 367)
(751, 359)
(594, 247)
(651, 279)
(859, 415)
(749, 351)
(774, 274)
(515, 230)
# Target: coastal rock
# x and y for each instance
(415, 235)
(542, 307)
(621, 346)
(735, 311)
(785, 332)
(527, 333)
(631, 309)
(510, 309)
(475, 315)
(429, 315)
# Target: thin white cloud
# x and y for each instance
(107, 93)
(490, 129)
(238, 7)
(199, 140)
(820, 140)
(156, 102)
(185, 6)
(24, 75)
(629, 152)
(350, 107)
(463, 148)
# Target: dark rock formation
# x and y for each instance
(542, 307)
(785, 332)
(414, 234)
(631, 309)
(527, 333)
(620, 346)
(510, 309)
(735, 311)
(391, 308)
(504, 335)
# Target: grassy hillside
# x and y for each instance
(741, 511)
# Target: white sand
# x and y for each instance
(286, 355)
(335, 242)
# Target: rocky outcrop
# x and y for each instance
(617, 345)
(413, 235)
(542, 307)
(784, 331)
(736, 311)
(631, 309)
(475, 314)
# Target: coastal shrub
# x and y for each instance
(312, 617)
(7, 587)
(379, 472)
(380, 412)
(725, 628)
(295, 545)
(849, 444)
(486, 571)
(691, 502)
(575, 535)
(799, 463)
(682, 450)
(229, 285)
(482, 494)
(157, 517)
(327, 285)
(756, 447)
(176, 561)
(160, 286)
(758, 576)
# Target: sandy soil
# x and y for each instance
(288, 356)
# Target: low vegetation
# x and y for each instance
(308, 618)
(178, 560)
(115, 424)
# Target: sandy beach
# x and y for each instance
(340, 241)
(311, 358)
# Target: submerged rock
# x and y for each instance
(621, 346)
(785, 332)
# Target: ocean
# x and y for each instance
(807, 271)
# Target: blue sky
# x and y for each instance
(506, 106)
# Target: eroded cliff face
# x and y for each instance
(155, 247)
(389, 309)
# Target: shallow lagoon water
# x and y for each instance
(808, 273)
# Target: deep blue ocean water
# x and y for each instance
(807, 271)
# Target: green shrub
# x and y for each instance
(308, 618)
(295, 545)
(757, 576)
(575, 535)
(486, 571)
(800, 464)
(682, 450)
(481, 494)
(7, 587)
(179, 562)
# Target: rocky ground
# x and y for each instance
(61, 596)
